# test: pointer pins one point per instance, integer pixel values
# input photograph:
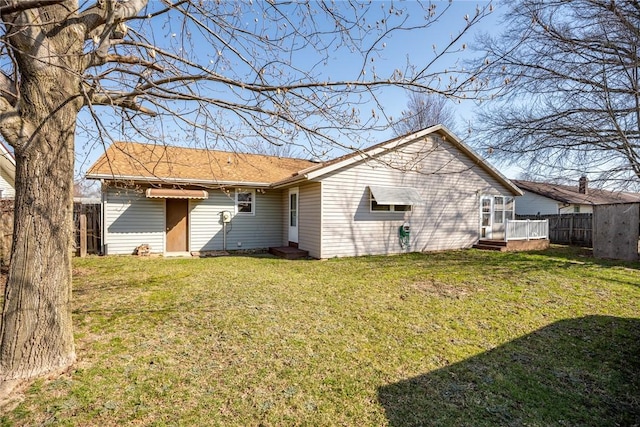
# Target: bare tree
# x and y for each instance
(424, 110)
(565, 77)
(218, 73)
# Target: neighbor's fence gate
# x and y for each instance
(6, 230)
(86, 219)
(568, 229)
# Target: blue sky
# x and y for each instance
(415, 47)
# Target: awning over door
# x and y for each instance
(396, 196)
(175, 193)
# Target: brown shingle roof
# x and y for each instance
(570, 194)
(135, 161)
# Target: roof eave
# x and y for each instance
(176, 181)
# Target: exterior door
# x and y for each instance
(293, 215)
(486, 217)
(177, 215)
(495, 211)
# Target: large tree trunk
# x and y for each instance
(36, 335)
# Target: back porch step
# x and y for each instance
(288, 252)
(491, 245)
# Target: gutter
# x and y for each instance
(185, 181)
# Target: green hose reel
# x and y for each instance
(404, 233)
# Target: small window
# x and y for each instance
(245, 201)
(376, 207)
(576, 209)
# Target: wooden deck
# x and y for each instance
(512, 245)
(288, 252)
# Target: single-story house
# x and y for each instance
(7, 173)
(421, 192)
(541, 198)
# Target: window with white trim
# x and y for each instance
(377, 207)
(503, 207)
(245, 201)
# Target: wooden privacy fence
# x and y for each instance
(6, 230)
(568, 229)
(86, 219)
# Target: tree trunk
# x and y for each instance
(36, 335)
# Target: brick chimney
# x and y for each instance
(583, 187)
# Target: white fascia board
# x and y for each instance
(144, 179)
(480, 161)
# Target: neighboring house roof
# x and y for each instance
(151, 162)
(569, 194)
(7, 161)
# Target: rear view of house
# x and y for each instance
(421, 192)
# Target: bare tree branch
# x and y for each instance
(13, 6)
(568, 98)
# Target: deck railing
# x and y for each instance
(528, 229)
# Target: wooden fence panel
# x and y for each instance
(6, 230)
(568, 229)
(93, 232)
(93, 221)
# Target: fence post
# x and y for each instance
(528, 228)
(506, 231)
(83, 235)
(571, 229)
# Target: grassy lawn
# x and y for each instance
(447, 339)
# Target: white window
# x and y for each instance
(503, 207)
(245, 201)
(379, 207)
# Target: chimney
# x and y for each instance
(583, 185)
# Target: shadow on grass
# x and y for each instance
(577, 372)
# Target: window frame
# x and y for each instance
(390, 208)
(252, 202)
(500, 210)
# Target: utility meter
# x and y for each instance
(226, 216)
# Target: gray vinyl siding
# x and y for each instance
(533, 204)
(205, 227)
(130, 219)
(450, 183)
(257, 231)
(310, 219)
(6, 185)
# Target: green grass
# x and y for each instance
(455, 338)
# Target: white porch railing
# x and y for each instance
(528, 229)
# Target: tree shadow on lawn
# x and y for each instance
(576, 372)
